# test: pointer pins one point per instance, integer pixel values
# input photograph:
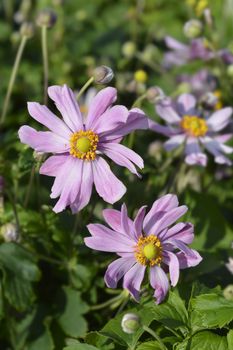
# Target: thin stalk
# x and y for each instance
(106, 303)
(44, 45)
(85, 86)
(12, 78)
(151, 332)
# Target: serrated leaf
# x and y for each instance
(211, 310)
(205, 340)
(150, 345)
(230, 339)
(71, 320)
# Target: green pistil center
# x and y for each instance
(83, 144)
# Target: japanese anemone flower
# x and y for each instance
(186, 125)
(148, 242)
(78, 145)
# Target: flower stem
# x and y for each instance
(151, 332)
(12, 78)
(85, 86)
(45, 61)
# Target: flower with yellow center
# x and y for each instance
(148, 251)
(83, 145)
(194, 126)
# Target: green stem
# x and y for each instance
(106, 303)
(85, 86)
(45, 61)
(138, 101)
(151, 332)
(12, 78)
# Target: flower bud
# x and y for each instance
(130, 323)
(9, 232)
(46, 18)
(129, 49)
(193, 28)
(154, 94)
(27, 29)
(103, 75)
(228, 292)
(140, 76)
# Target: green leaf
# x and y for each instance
(1, 301)
(230, 339)
(150, 345)
(204, 341)
(43, 342)
(210, 311)
(80, 347)
(172, 313)
(71, 320)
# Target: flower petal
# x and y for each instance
(138, 222)
(188, 261)
(159, 281)
(174, 142)
(44, 116)
(194, 154)
(133, 280)
(66, 103)
(123, 156)
(106, 183)
(180, 245)
(52, 165)
(175, 44)
(167, 112)
(43, 141)
(216, 148)
(186, 103)
(85, 191)
(172, 261)
(219, 119)
(116, 270)
(100, 103)
(110, 120)
(113, 219)
(181, 231)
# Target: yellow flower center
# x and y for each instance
(83, 145)
(148, 250)
(194, 126)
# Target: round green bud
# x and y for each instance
(27, 30)
(46, 18)
(228, 292)
(130, 323)
(193, 28)
(103, 75)
(129, 49)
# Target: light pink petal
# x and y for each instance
(43, 141)
(159, 281)
(174, 142)
(106, 183)
(110, 120)
(167, 112)
(124, 220)
(194, 155)
(113, 219)
(66, 103)
(85, 191)
(164, 130)
(180, 245)
(175, 44)
(44, 116)
(52, 165)
(188, 261)
(100, 103)
(123, 156)
(116, 270)
(186, 103)
(181, 231)
(159, 208)
(138, 222)
(219, 119)
(133, 280)
(67, 183)
(217, 149)
(223, 138)
(171, 260)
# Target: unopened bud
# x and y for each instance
(46, 18)
(193, 28)
(10, 233)
(103, 75)
(38, 156)
(130, 323)
(129, 49)
(140, 76)
(228, 292)
(27, 29)
(154, 94)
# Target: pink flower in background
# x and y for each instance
(147, 242)
(79, 145)
(186, 126)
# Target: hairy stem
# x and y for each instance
(85, 86)
(45, 61)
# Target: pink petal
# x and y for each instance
(138, 222)
(159, 281)
(166, 111)
(66, 103)
(188, 261)
(113, 219)
(52, 165)
(106, 183)
(44, 116)
(43, 141)
(219, 119)
(174, 268)
(194, 156)
(186, 103)
(116, 270)
(133, 280)
(181, 231)
(174, 142)
(100, 103)
(110, 120)
(175, 44)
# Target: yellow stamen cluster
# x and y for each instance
(83, 145)
(194, 126)
(148, 251)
